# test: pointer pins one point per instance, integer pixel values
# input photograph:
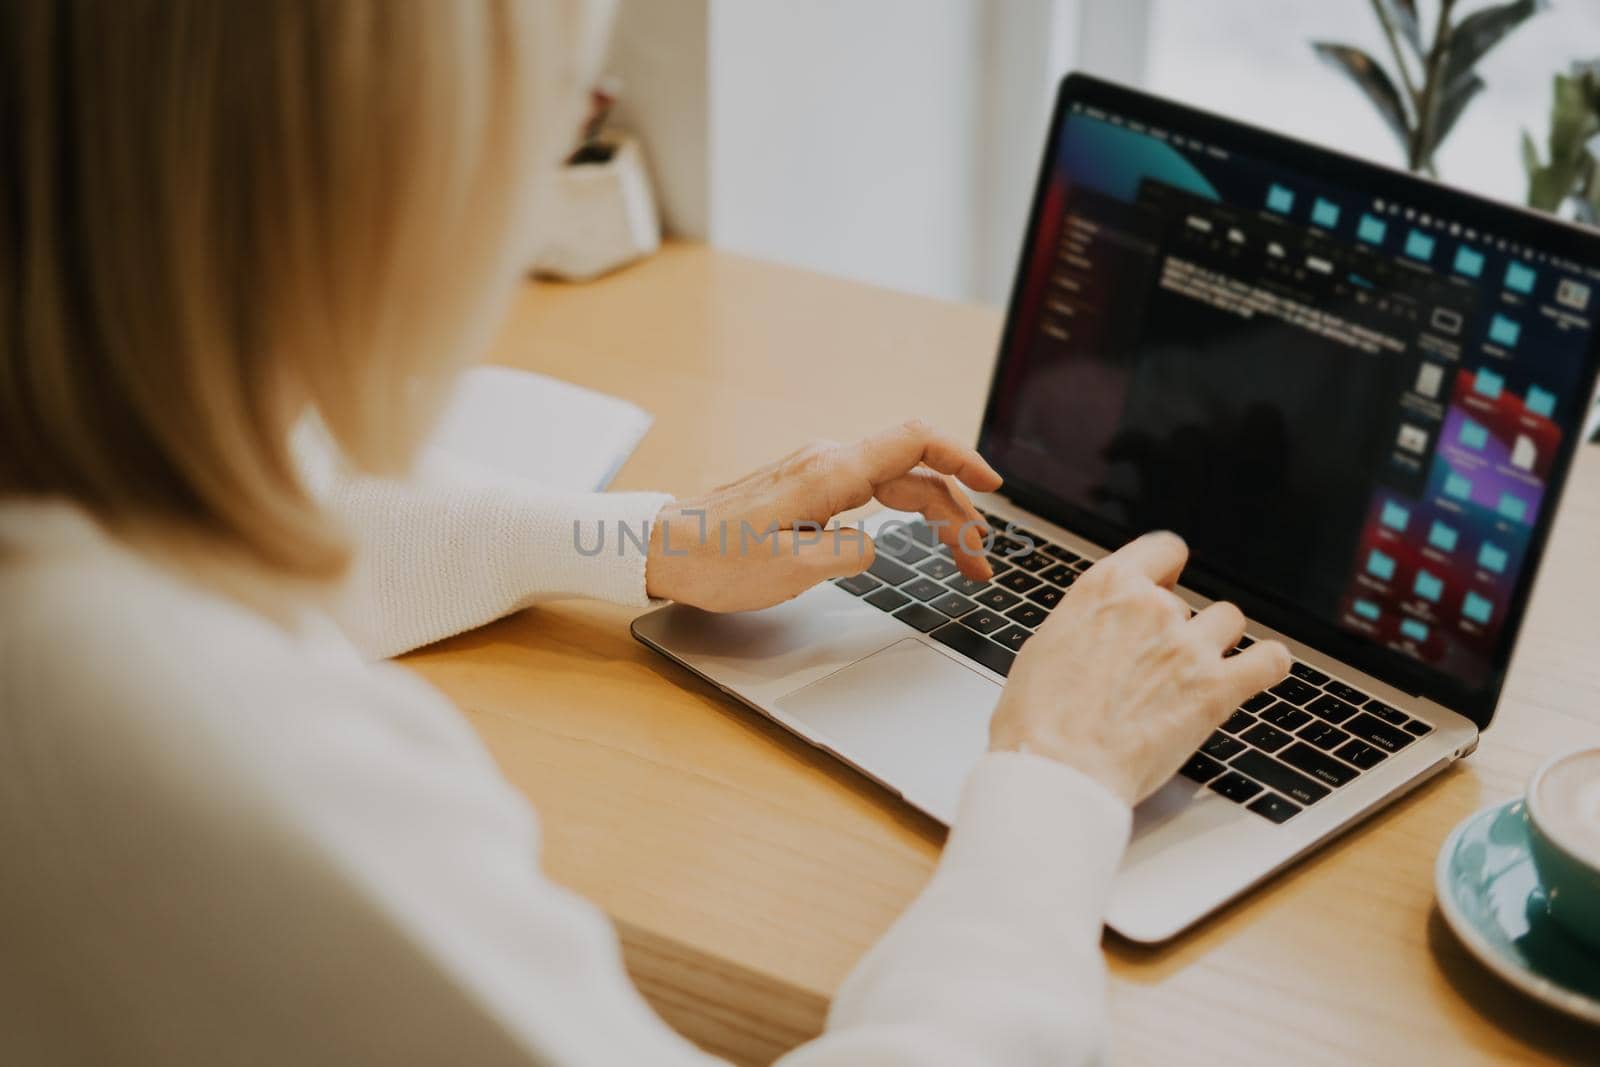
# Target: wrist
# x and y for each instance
(1092, 764)
(671, 538)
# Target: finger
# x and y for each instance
(1181, 611)
(839, 552)
(890, 454)
(1262, 664)
(1159, 556)
(952, 516)
(1220, 625)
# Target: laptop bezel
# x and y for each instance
(1544, 231)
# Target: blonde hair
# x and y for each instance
(220, 214)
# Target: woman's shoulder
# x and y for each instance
(100, 646)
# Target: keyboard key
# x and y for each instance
(858, 584)
(1318, 764)
(1235, 787)
(1222, 746)
(952, 604)
(923, 589)
(902, 549)
(1057, 552)
(1378, 733)
(983, 620)
(1061, 574)
(1238, 721)
(888, 599)
(937, 567)
(1201, 768)
(1331, 708)
(1324, 736)
(1292, 784)
(975, 647)
(966, 586)
(997, 599)
(922, 532)
(1018, 581)
(1307, 673)
(1285, 716)
(1361, 754)
(1383, 711)
(1274, 807)
(1029, 615)
(1032, 561)
(921, 616)
(887, 570)
(1293, 690)
(1259, 701)
(1348, 693)
(1007, 546)
(1246, 641)
(1417, 727)
(1046, 596)
(1013, 637)
(1267, 738)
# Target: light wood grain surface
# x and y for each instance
(747, 873)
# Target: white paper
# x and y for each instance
(557, 435)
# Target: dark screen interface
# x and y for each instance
(1345, 405)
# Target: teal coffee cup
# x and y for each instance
(1563, 809)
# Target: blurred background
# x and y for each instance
(896, 141)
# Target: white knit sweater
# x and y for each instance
(228, 841)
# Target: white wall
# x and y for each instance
(892, 141)
(842, 136)
(658, 48)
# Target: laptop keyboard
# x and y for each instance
(1281, 751)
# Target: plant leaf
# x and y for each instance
(1472, 37)
(1403, 13)
(1454, 101)
(1531, 162)
(1372, 80)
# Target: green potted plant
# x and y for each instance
(1566, 181)
(1434, 76)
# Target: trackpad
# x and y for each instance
(909, 716)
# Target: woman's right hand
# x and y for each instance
(1121, 682)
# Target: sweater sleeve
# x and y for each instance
(456, 546)
(998, 961)
(997, 964)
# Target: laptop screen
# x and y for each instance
(1354, 393)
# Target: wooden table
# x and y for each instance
(747, 873)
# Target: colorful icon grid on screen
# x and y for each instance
(1443, 536)
(1428, 586)
(1469, 261)
(1395, 516)
(1280, 199)
(1417, 631)
(1491, 557)
(1520, 277)
(1477, 608)
(1504, 331)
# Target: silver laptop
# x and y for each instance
(1356, 394)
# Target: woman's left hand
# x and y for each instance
(763, 539)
